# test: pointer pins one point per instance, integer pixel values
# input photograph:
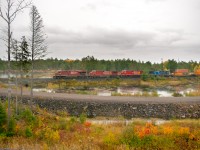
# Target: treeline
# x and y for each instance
(90, 63)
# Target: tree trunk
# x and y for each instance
(21, 85)
(16, 97)
(9, 69)
(31, 83)
(32, 54)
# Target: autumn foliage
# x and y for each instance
(41, 129)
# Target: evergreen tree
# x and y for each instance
(38, 37)
(24, 55)
(3, 117)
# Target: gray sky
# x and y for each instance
(113, 29)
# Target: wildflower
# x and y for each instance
(87, 124)
(147, 131)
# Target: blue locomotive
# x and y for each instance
(160, 73)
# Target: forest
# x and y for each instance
(91, 63)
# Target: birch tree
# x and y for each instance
(38, 37)
(8, 13)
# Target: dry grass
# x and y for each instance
(193, 93)
(49, 130)
(2, 85)
(138, 94)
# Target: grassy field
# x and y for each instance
(92, 87)
(112, 83)
(129, 82)
(87, 87)
(41, 129)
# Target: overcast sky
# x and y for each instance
(113, 29)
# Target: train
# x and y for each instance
(83, 74)
(62, 74)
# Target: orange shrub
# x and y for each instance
(167, 130)
(184, 130)
(147, 130)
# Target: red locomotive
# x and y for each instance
(129, 73)
(101, 73)
(95, 74)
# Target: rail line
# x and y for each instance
(5, 80)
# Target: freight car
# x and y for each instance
(70, 74)
(197, 72)
(181, 72)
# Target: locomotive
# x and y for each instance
(63, 74)
(160, 73)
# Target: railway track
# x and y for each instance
(69, 78)
(86, 78)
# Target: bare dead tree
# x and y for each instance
(8, 13)
(38, 44)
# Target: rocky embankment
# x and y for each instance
(128, 107)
